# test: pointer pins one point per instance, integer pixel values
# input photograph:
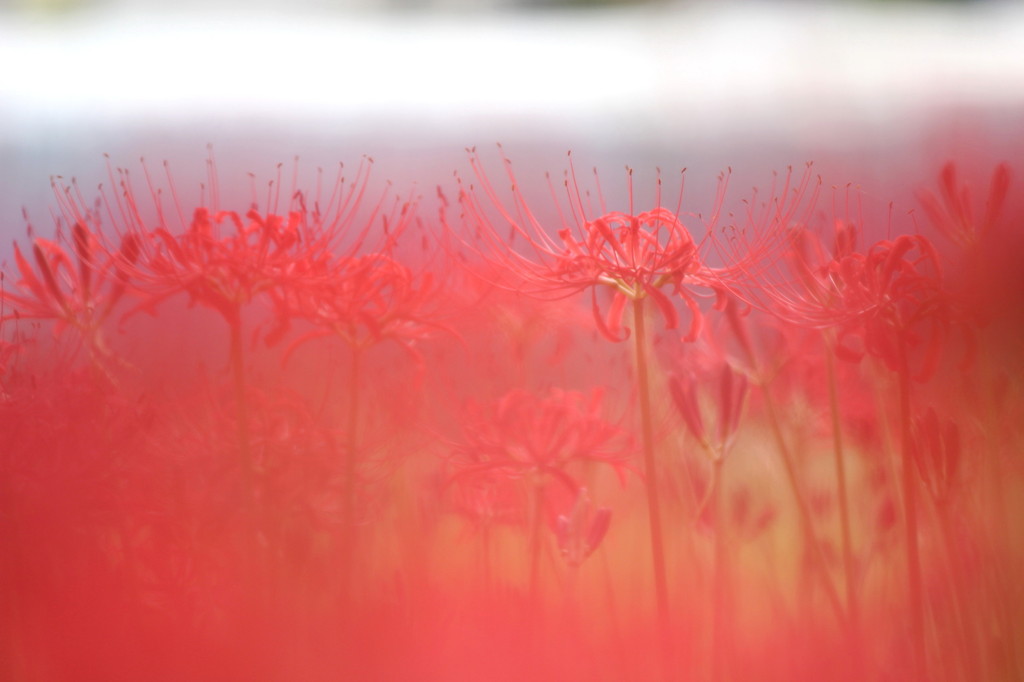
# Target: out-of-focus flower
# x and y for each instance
(953, 211)
(937, 452)
(364, 300)
(728, 393)
(889, 302)
(225, 270)
(523, 435)
(77, 292)
(984, 270)
(895, 295)
(581, 531)
(223, 259)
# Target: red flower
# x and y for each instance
(224, 260)
(364, 300)
(79, 292)
(889, 302)
(636, 255)
(523, 434)
(953, 212)
(896, 301)
(226, 269)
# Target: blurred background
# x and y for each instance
(873, 92)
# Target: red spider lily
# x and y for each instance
(79, 292)
(888, 302)
(224, 260)
(896, 291)
(523, 434)
(223, 271)
(364, 300)
(635, 254)
(953, 212)
(985, 269)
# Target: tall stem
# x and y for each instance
(351, 470)
(971, 665)
(242, 406)
(852, 607)
(253, 511)
(804, 511)
(910, 523)
(650, 466)
(536, 525)
(721, 616)
(485, 557)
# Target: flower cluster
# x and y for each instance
(427, 489)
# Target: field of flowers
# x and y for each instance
(507, 430)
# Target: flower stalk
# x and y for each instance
(650, 467)
(849, 569)
(909, 485)
(237, 355)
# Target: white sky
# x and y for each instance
(653, 68)
(718, 83)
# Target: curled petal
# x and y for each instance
(696, 318)
(611, 329)
(668, 311)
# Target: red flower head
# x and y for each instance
(223, 269)
(635, 255)
(224, 259)
(953, 212)
(365, 300)
(78, 292)
(888, 302)
(523, 434)
(895, 294)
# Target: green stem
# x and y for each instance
(852, 605)
(910, 523)
(255, 516)
(242, 405)
(613, 615)
(485, 557)
(1000, 578)
(12, 599)
(806, 524)
(570, 601)
(720, 616)
(650, 467)
(351, 470)
(536, 525)
(971, 665)
(787, 460)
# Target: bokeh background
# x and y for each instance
(877, 94)
(873, 92)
